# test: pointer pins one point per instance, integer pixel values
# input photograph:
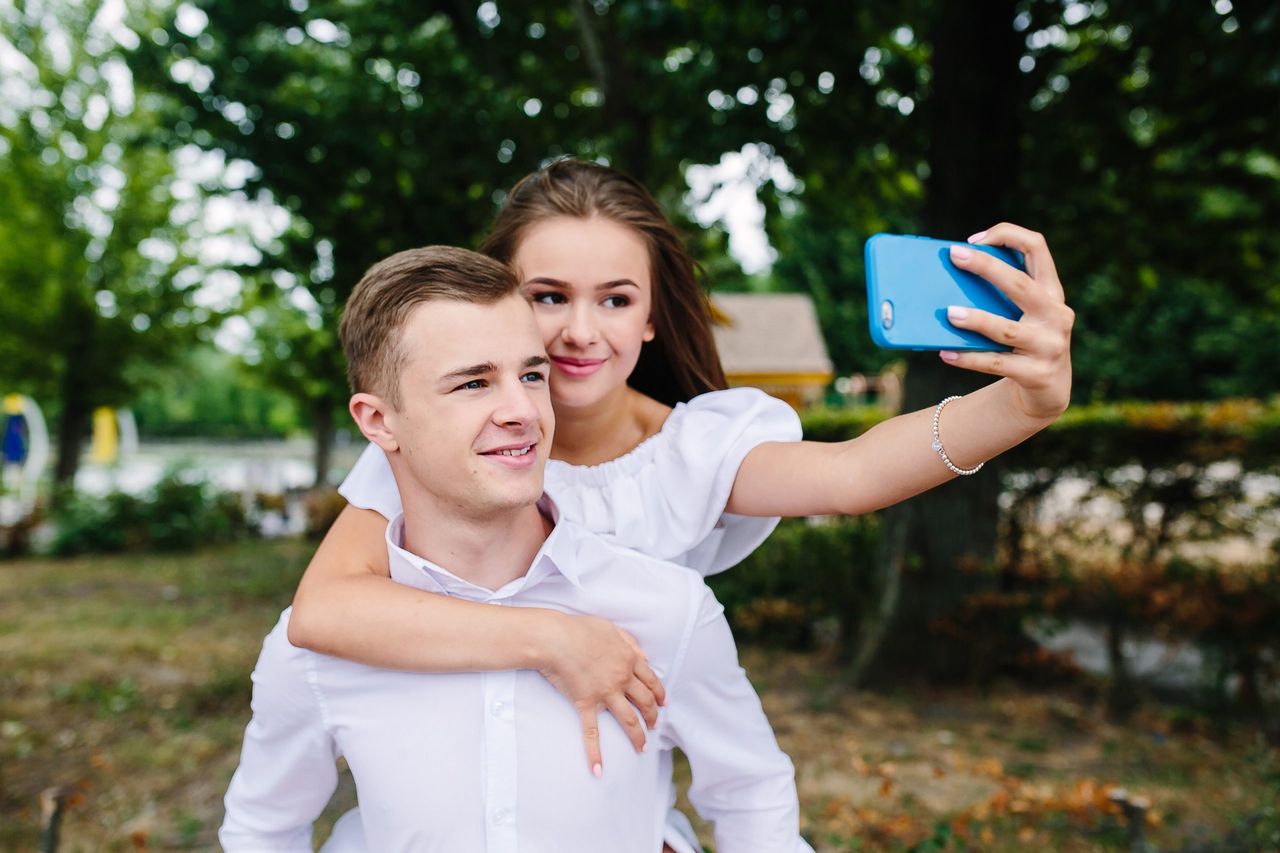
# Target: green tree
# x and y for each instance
(1107, 127)
(379, 129)
(1112, 129)
(89, 250)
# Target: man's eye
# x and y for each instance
(616, 302)
(534, 376)
(473, 385)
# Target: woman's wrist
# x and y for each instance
(1027, 422)
(541, 636)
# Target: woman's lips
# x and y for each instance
(577, 366)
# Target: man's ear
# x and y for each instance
(370, 412)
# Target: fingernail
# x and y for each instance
(645, 748)
(948, 356)
(597, 771)
(955, 312)
(960, 253)
(973, 238)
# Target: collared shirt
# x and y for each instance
(493, 761)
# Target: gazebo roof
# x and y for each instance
(770, 333)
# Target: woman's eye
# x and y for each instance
(616, 302)
(549, 297)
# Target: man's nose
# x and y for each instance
(516, 406)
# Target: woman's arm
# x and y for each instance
(348, 606)
(895, 459)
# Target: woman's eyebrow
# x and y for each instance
(607, 285)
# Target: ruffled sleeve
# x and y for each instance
(667, 497)
(370, 484)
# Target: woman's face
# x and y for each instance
(589, 281)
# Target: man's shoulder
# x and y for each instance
(606, 561)
(643, 594)
(278, 653)
(282, 661)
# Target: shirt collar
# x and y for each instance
(557, 555)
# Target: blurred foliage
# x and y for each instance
(1145, 520)
(174, 515)
(1139, 137)
(1146, 154)
(805, 585)
(90, 248)
(207, 393)
(323, 506)
(378, 132)
(1129, 432)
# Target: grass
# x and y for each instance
(125, 683)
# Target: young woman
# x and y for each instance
(652, 453)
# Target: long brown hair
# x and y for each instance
(681, 361)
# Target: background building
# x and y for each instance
(772, 341)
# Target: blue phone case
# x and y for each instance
(910, 283)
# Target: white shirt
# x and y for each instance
(493, 761)
(665, 498)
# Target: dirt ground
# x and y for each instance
(125, 686)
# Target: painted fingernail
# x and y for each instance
(948, 356)
(960, 253)
(973, 238)
(955, 312)
(597, 771)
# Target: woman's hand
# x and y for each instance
(599, 666)
(1040, 364)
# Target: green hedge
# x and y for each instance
(174, 515)
(1108, 435)
(1159, 567)
(806, 584)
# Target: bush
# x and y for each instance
(176, 514)
(1170, 528)
(809, 582)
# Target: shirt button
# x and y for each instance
(497, 707)
(502, 816)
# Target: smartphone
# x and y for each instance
(910, 283)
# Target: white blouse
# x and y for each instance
(665, 498)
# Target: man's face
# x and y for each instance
(474, 425)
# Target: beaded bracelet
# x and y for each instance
(937, 444)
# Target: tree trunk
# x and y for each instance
(1122, 698)
(322, 424)
(76, 392)
(937, 548)
(72, 427)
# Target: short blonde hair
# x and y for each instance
(386, 295)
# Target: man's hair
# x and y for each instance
(382, 301)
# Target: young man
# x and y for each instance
(450, 378)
